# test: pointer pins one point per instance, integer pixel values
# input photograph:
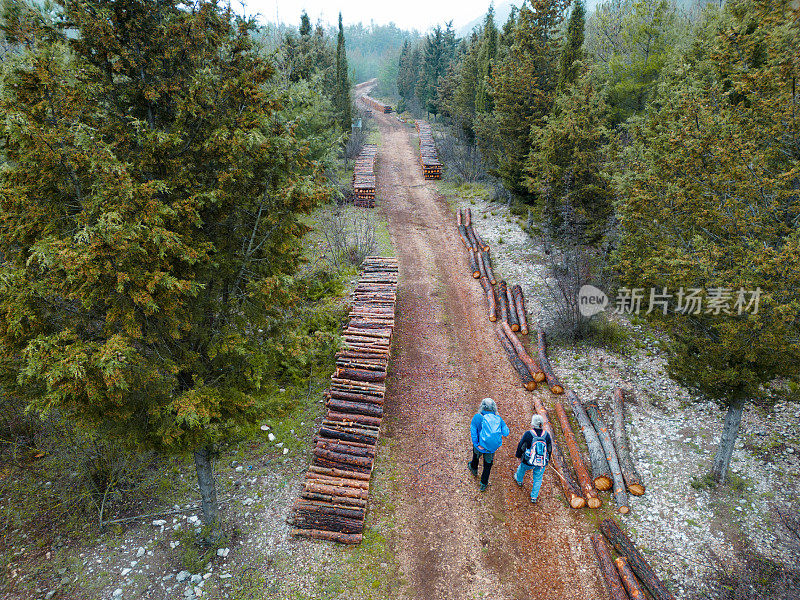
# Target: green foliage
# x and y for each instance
(341, 99)
(571, 51)
(150, 222)
(710, 201)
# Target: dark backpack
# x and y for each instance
(536, 455)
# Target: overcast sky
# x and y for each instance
(406, 14)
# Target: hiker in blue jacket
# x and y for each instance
(488, 430)
(533, 452)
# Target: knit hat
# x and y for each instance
(537, 422)
(488, 405)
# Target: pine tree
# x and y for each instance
(343, 102)
(524, 85)
(571, 51)
(489, 46)
(149, 226)
(710, 202)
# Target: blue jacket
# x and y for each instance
(475, 427)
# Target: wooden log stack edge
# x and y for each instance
(333, 501)
(381, 107)
(428, 157)
(364, 177)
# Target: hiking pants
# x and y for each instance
(536, 472)
(488, 459)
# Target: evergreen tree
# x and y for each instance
(343, 102)
(489, 47)
(305, 25)
(710, 203)
(149, 226)
(571, 51)
(524, 85)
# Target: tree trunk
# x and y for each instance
(730, 430)
(632, 478)
(203, 463)
(519, 366)
(629, 579)
(568, 485)
(577, 460)
(552, 381)
(487, 265)
(620, 495)
(636, 561)
(601, 472)
(513, 322)
(533, 367)
(519, 304)
(607, 568)
(473, 262)
(502, 301)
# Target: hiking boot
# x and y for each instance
(514, 477)
(471, 470)
(483, 486)
(534, 500)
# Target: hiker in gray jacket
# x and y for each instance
(488, 430)
(533, 452)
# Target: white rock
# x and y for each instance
(134, 563)
(125, 572)
(206, 576)
(239, 469)
(159, 522)
(117, 593)
(271, 436)
(265, 428)
(140, 552)
(174, 544)
(197, 578)
(198, 591)
(193, 519)
(183, 576)
(225, 576)
(223, 552)
(286, 451)
(247, 501)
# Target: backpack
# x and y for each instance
(491, 432)
(536, 455)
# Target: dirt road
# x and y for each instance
(456, 542)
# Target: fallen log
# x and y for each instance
(481, 244)
(331, 536)
(533, 367)
(629, 579)
(337, 481)
(632, 478)
(596, 417)
(636, 561)
(608, 569)
(468, 217)
(502, 301)
(571, 490)
(311, 520)
(360, 374)
(459, 218)
(519, 304)
(462, 232)
(552, 381)
(577, 460)
(519, 366)
(345, 448)
(473, 263)
(487, 265)
(359, 502)
(342, 395)
(481, 267)
(364, 408)
(513, 322)
(339, 473)
(348, 512)
(601, 472)
(347, 459)
(472, 239)
(491, 300)
(353, 418)
(330, 432)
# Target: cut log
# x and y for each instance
(311, 520)
(513, 322)
(481, 244)
(459, 218)
(629, 579)
(596, 417)
(330, 432)
(473, 241)
(468, 217)
(342, 458)
(308, 495)
(577, 460)
(571, 490)
(337, 482)
(462, 232)
(481, 267)
(636, 561)
(360, 374)
(533, 366)
(502, 301)
(331, 536)
(519, 304)
(339, 473)
(519, 366)
(473, 262)
(601, 472)
(632, 478)
(487, 264)
(552, 381)
(348, 512)
(342, 395)
(345, 448)
(364, 408)
(353, 418)
(491, 299)
(607, 568)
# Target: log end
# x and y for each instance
(602, 483)
(557, 389)
(594, 502)
(476, 274)
(624, 510)
(539, 376)
(514, 327)
(636, 489)
(493, 319)
(530, 386)
(524, 331)
(577, 502)
(493, 281)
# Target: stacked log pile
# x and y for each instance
(376, 104)
(428, 157)
(364, 177)
(333, 501)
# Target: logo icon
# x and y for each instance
(591, 300)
